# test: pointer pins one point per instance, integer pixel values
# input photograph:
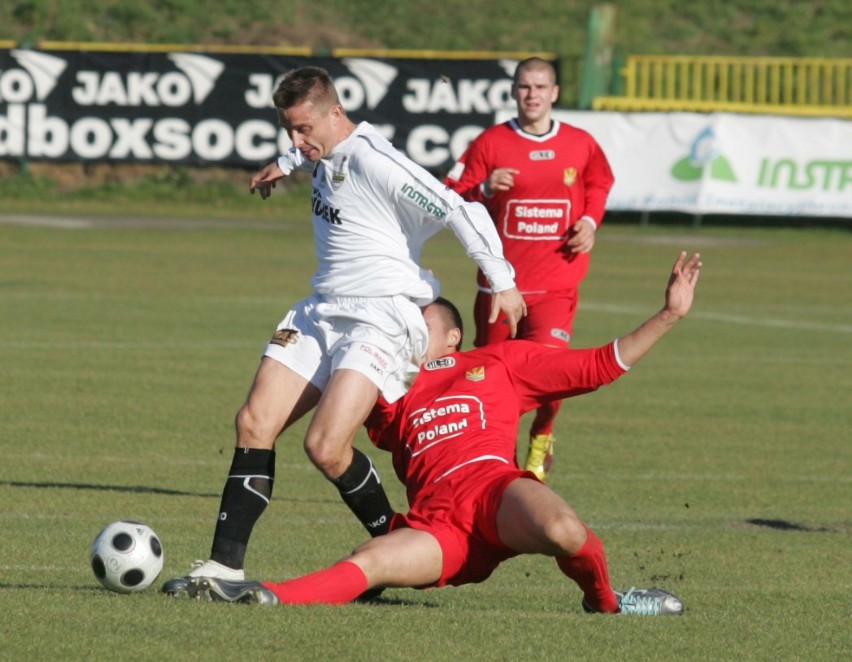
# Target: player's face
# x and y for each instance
(442, 339)
(312, 129)
(535, 93)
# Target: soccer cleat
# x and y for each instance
(178, 585)
(214, 589)
(540, 455)
(644, 602)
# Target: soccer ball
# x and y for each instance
(127, 556)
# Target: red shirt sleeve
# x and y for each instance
(597, 182)
(380, 425)
(542, 374)
(475, 163)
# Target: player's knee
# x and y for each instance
(566, 531)
(252, 430)
(331, 456)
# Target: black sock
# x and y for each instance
(361, 490)
(244, 498)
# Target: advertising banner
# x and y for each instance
(724, 163)
(215, 108)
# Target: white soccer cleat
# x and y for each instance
(644, 602)
(649, 602)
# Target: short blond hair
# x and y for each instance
(534, 64)
(312, 84)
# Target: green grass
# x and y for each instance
(126, 350)
(164, 191)
(747, 27)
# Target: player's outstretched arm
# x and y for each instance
(264, 181)
(679, 296)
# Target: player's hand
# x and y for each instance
(682, 282)
(501, 179)
(581, 237)
(264, 181)
(513, 306)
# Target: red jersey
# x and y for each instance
(564, 176)
(465, 407)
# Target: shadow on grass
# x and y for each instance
(385, 601)
(137, 489)
(784, 525)
(53, 587)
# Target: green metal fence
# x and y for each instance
(769, 85)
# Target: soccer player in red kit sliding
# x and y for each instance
(452, 437)
(545, 184)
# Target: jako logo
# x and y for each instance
(197, 78)
(44, 70)
(704, 153)
(374, 76)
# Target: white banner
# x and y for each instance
(724, 163)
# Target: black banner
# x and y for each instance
(211, 108)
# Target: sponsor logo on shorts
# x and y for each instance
(377, 357)
(561, 334)
(285, 337)
(536, 220)
(476, 374)
(440, 364)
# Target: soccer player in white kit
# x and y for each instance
(361, 333)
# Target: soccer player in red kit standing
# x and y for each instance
(452, 437)
(545, 184)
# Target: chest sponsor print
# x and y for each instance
(445, 419)
(536, 220)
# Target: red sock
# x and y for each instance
(545, 417)
(337, 585)
(588, 567)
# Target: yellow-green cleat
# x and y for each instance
(540, 455)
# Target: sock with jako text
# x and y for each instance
(361, 489)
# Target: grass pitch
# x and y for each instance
(719, 469)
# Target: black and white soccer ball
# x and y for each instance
(127, 556)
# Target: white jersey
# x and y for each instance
(373, 209)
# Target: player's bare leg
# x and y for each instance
(402, 558)
(534, 519)
(278, 397)
(342, 410)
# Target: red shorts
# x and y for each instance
(461, 512)
(549, 319)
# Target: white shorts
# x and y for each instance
(383, 338)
